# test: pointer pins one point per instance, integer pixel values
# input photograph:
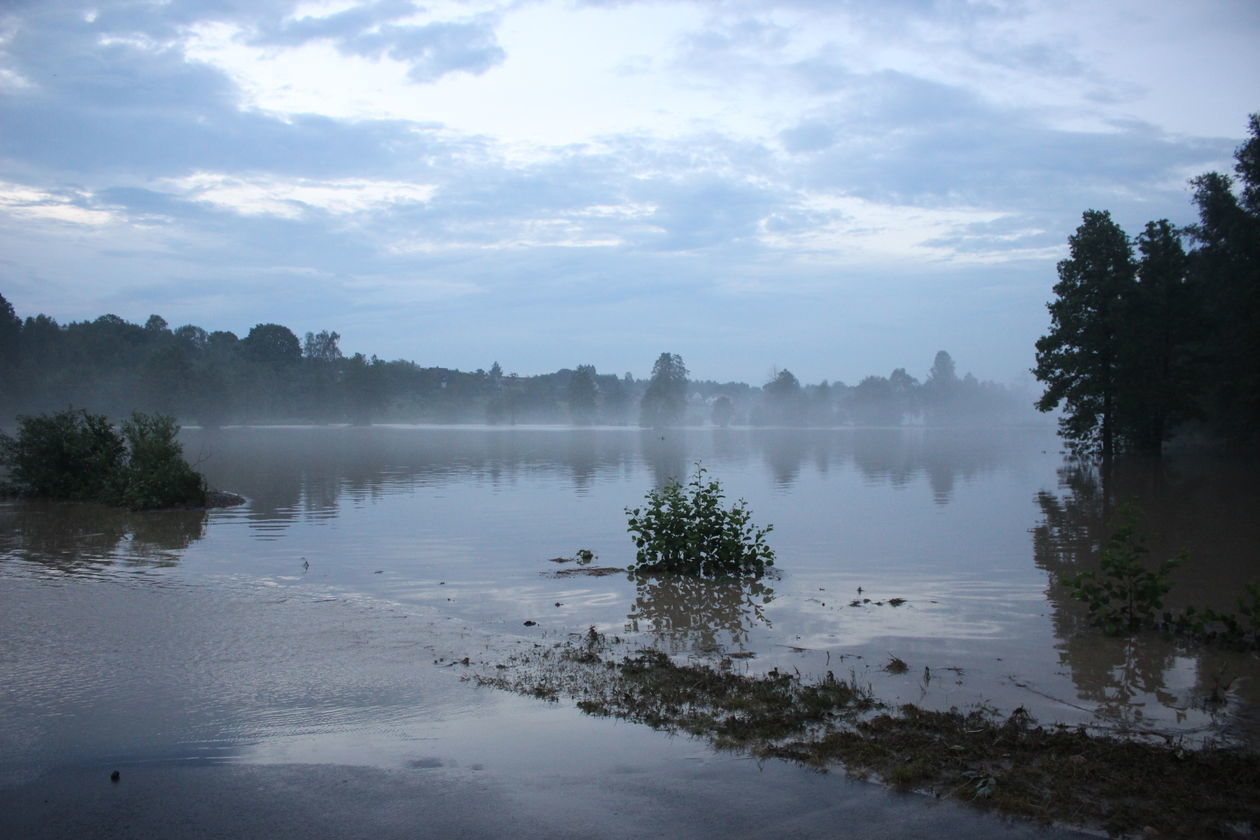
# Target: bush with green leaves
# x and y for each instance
(1124, 595)
(1241, 629)
(685, 530)
(70, 455)
(157, 474)
(78, 456)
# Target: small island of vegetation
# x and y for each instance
(75, 455)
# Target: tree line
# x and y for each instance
(114, 367)
(1159, 336)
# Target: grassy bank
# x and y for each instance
(1009, 764)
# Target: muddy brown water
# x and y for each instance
(316, 624)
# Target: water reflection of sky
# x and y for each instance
(969, 528)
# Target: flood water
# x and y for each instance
(317, 622)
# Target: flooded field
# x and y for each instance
(325, 622)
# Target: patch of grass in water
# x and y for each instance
(590, 571)
(1012, 765)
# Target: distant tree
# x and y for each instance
(209, 398)
(12, 376)
(941, 391)
(42, 340)
(272, 344)
(10, 339)
(223, 341)
(581, 393)
(943, 370)
(156, 323)
(322, 346)
(665, 400)
(873, 402)
(905, 390)
(192, 337)
(365, 388)
(1079, 359)
(784, 400)
(723, 411)
(614, 399)
(821, 410)
(166, 376)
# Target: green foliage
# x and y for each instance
(1079, 359)
(685, 530)
(1138, 348)
(79, 456)
(665, 400)
(582, 394)
(784, 400)
(157, 474)
(1241, 629)
(272, 344)
(1124, 595)
(69, 455)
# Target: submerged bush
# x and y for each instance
(157, 474)
(1124, 595)
(79, 456)
(70, 455)
(685, 530)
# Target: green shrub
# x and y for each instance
(686, 531)
(78, 456)
(68, 455)
(1124, 595)
(157, 474)
(1239, 630)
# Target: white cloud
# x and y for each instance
(860, 232)
(294, 198)
(69, 206)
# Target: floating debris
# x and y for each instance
(896, 665)
(582, 557)
(591, 571)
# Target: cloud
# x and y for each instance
(295, 198)
(864, 172)
(373, 30)
(69, 206)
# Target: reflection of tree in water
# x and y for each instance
(886, 454)
(582, 457)
(1119, 674)
(74, 536)
(1202, 504)
(729, 445)
(785, 451)
(665, 451)
(943, 454)
(1072, 523)
(689, 613)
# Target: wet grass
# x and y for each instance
(1011, 765)
(590, 571)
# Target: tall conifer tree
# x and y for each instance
(1079, 359)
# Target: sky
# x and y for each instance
(832, 187)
